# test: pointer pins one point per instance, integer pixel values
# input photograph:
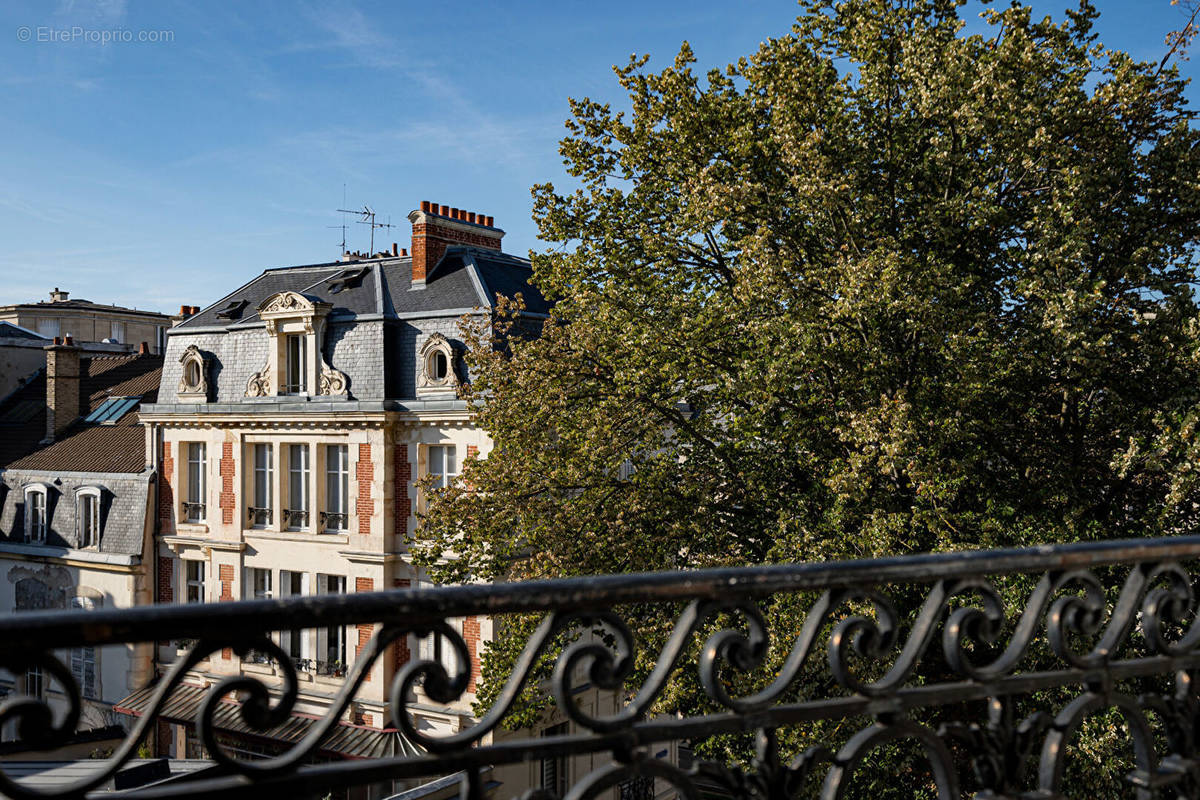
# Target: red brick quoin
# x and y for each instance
(166, 580)
(227, 497)
(166, 496)
(364, 473)
(401, 478)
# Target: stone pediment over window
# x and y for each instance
(437, 371)
(193, 383)
(296, 325)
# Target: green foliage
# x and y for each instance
(879, 287)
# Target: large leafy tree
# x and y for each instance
(879, 287)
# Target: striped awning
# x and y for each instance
(345, 740)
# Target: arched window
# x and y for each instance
(87, 517)
(35, 513)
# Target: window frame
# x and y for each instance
(195, 507)
(189, 582)
(337, 472)
(262, 511)
(42, 491)
(295, 370)
(92, 494)
(82, 657)
(332, 666)
(299, 476)
(448, 477)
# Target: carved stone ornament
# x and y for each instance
(259, 384)
(193, 380)
(286, 303)
(333, 382)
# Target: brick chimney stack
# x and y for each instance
(434, 228)
(62, 386)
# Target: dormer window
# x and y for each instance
(193, 382)
(436, 374)
(35, 514)
(296, 326)
(87, 517)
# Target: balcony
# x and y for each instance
(258, 517)
(984, 663)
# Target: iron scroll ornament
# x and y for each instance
(1092, 636)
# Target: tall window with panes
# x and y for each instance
(296, 514)
(294, 642)
(197, 465)
(296, 377)
(257, 586)
(87, 513)
(331, 640)
(443, 464)
(194, 578)
(336, 516)
(263, 490)
(35, 514)
(83, 659)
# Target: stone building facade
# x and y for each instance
(295, 416)
(89, 323)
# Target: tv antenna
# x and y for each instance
(368, 218)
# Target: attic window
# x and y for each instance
(233, 310)
(347, 279)
(112, 410)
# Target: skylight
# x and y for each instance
(112, 409)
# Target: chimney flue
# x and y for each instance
(62, 386)
(436, 227)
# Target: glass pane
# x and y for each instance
(451, 467)
(436, 461)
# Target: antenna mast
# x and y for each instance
(368, 218)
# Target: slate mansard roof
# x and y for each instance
(465, 279)
(376, 326)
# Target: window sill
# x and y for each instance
(297, 536)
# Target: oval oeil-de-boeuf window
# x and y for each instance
(437, 367)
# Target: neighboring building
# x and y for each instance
(294, 417)
(87, 322)
(22, 356)
(76, 512)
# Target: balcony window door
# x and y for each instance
(295, 642)
(297, 513)
(331, 640)
(194, 507)
(263, 489)
(337, 488)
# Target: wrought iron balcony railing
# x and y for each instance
(295, 519)
(258, 517)
(334, 521)
(193, 512)
(936, 651)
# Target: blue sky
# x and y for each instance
(160, 173)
